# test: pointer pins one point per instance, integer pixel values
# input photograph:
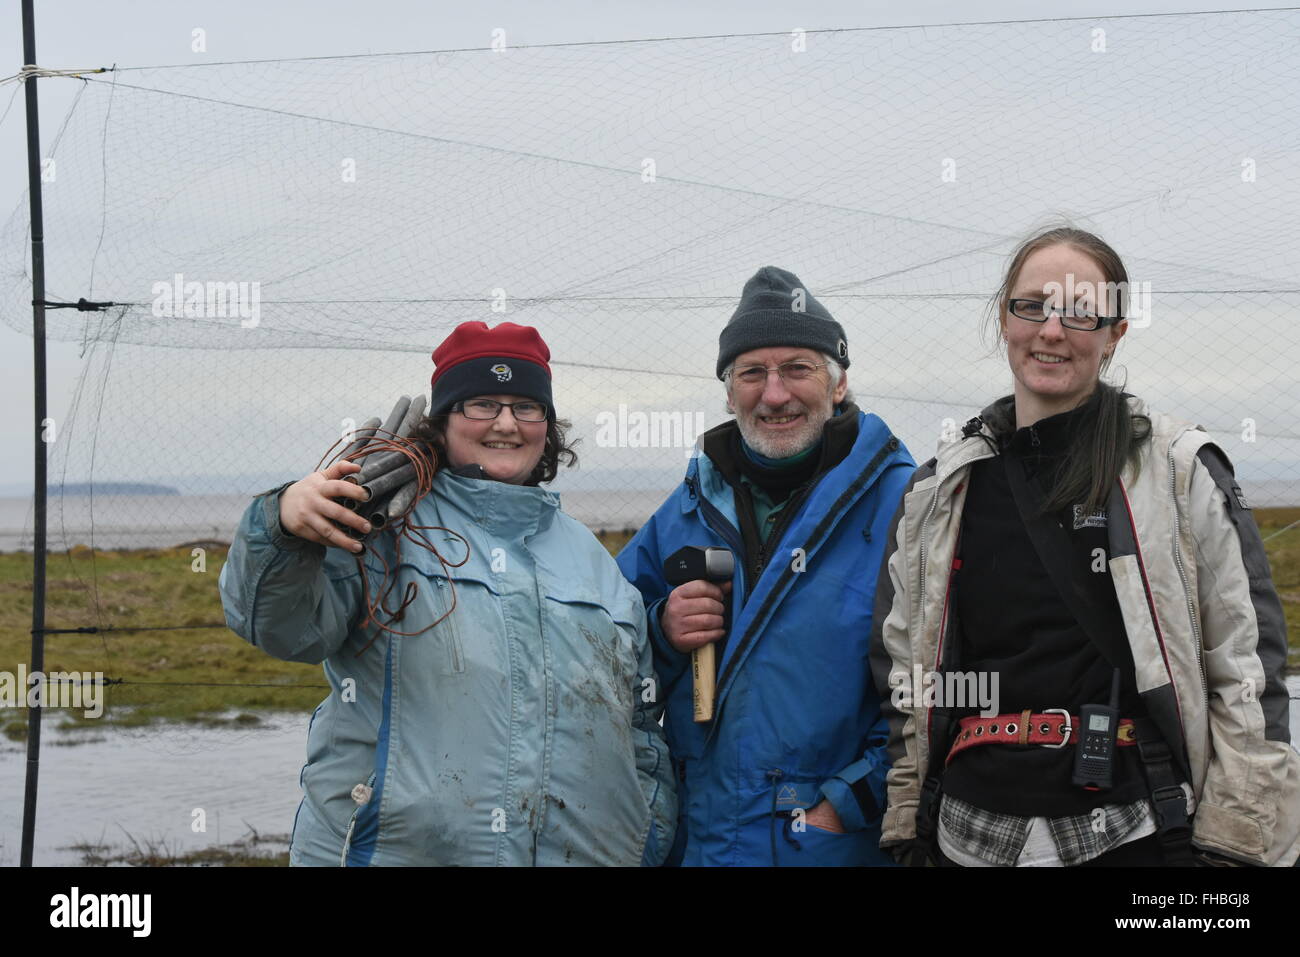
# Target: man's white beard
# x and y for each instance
(782, 446)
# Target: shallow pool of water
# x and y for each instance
(111, 785)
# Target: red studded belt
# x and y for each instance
(1054, 728)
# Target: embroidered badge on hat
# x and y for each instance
(475, 360)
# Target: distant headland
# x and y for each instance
(114, 488)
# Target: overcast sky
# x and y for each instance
(76, 34)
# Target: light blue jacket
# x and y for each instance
(523, 729)
(797, 717)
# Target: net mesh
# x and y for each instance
(344, 214)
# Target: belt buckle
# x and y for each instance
(1067, 729)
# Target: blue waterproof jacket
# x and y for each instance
(522, 729)
(797, 717)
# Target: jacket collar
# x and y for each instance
(712, 472)
(977, 440)
(501, 510)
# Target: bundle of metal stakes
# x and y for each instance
(394, 471)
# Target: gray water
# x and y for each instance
(165, 521)
(146, 782)
(110, 785)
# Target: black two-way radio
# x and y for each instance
(1094, 761)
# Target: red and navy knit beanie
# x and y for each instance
(475, 360)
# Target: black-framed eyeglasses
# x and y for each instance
(525, 411)
(796, 370)
(1036, 310)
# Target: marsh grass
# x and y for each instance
(208, 676)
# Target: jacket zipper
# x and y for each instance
(447, 632)
(718, 522)
(1182, 575)
(938, 653)
(744, 501)
(788, 512)
(352, 822)
(347, 840)
(453, 640)
(934, 504)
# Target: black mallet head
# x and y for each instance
(693, 563)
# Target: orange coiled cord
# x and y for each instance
(424, 461)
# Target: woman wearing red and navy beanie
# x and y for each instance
(512, 717)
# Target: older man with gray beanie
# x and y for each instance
(789, 765)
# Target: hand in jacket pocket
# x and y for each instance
(822, 815)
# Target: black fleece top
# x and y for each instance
(1014, 622)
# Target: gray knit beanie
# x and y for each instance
(777, 310)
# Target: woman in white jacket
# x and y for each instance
(1093, 570)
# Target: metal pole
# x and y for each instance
(38, 368)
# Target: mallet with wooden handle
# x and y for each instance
(716, 565)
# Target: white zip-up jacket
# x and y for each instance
(1202, 618)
